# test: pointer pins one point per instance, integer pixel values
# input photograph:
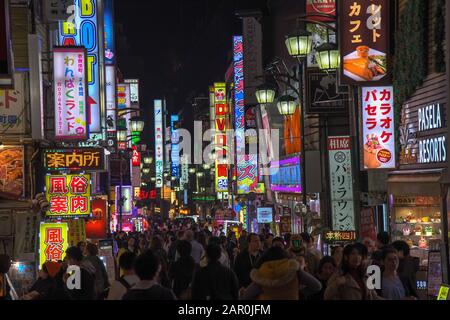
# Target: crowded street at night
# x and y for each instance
(224, 155)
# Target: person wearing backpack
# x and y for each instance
(121, 286)
(215, 281)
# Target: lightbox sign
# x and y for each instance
(378, 127)
(85, 32)
(364, 41)
(136, 159)
(68, 195)
(69, 71)
(123, 103)
(432, 149)
(221, 124)
(321, 7)
(13, 121)
(53, 242)
(80, 159)
(159, 144)
(111, 116)
(341, 183)
(127, 197)
(175, 146)
(285, 175)
(96, 225)
(108, 19)
(134, 90)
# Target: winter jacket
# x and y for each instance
(101, 276)
(349, 291)
(278, 279)
(243, 265)
(181, 273)
(215, 282)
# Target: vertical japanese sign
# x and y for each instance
(159, 146)
(134, 90)
(11, 172)
(110, 49)
(53, 242)
(321, 7)
(136, 159)
(69, 71)
(111, 109)
(221, 124)
(56, 10)
(252, 59)
(364, 41)
(184, 179)
(96, 226)
(175, 146)
(127, 197)
(12, 104)
(68, 195)
(84, 32)
(367, 223)
(378, 127)
(6, 60)
(341, 183)
(123, 106)
(77, 231)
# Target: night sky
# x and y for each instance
(177, 48)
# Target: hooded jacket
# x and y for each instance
(278, 279)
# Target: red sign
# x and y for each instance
(327, 7)
(364, 41)
(136, 159)
(341, 143)
(96, 226)
(368, 224)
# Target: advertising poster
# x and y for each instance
(108, 18)
(368, 228)
(341, 184)
(77, 231)
(53, 242)
(285, 175)
(378, 127)
(11, 172)
(321, 7)
(86, 159)
(221, 124)
(85, 32)
(285, 224)
(68, 195)
(134, 90)
(71, 110)
(364, 41)
(12, 108)
(159, 147)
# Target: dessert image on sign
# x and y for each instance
(375, 153)
(365, 64)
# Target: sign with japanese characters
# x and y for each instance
(364, 41)
(134, 89)
(96, 225)
(341, 183)
(378, 127)
(108, 18)
(53, 239)
(12, 106)
(221, 125)
(111, 109)
(57, 10)
(77, 231)
(68, 195)
(85, 31)
(340, 236)
(86, 159)
(159, 147)
(252, 63)
(136, 159)
(175, 149)
(322, 96)
(11, 172)
(320, 35)
(123, 107)
(321, 7)
(69, 71)
(126, 197)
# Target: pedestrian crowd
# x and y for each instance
(187, 262)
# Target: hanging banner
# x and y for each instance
(175, 149)
(69, 71)
(364, 41)
(221, 125)
(53, 242)
(321, 7)
(108, 19)
(367, 222)
(12, 108)
(378, 127)
(96, 225)
(136, 159)
(134, 90)
(159, 147)
(123, 117)
(252, 58)
(57, 10)
(26, 227)
(77, 231)
(11, 173)
(86, 159)
(68, 195)
(341, 183)
(84, 32)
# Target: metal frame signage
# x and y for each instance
(134, 90)
(364, 41)
(322, 96)
(341, 183)
(378, 128)
(80, 159)
(71, 110)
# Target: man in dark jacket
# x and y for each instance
(215, 282)
(181, 272)
(246, 260)
(408, 266)
(86, 290)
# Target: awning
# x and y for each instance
(415, 184)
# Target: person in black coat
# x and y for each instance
(181, 272)
(215, 282)
(246, 260)
(408, 266)
(87, 284)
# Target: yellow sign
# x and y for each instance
(68, 195)
(443, 293)
(77, 231)
(53, 240)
